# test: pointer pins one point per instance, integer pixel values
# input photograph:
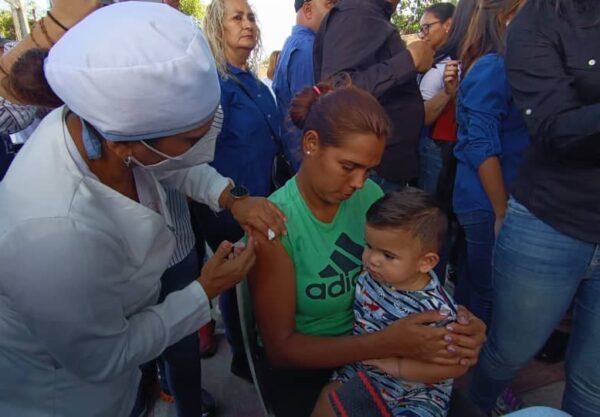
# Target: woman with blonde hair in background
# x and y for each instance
(273, 61)
(247, 144)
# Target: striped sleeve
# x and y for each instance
(14, 117)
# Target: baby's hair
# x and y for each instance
(414, 211)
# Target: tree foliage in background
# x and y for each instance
(192, 8)
(7, 26)
(409, 12)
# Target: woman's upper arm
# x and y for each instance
(273, 289)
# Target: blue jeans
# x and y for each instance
(181, 360)
(474, 288)
(538, 273)
(431, 162)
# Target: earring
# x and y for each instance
(127, 161)
(308, 152)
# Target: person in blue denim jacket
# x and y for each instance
(492, 139)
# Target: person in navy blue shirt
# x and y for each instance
(492, 139)
(246, 147)
(295, 70)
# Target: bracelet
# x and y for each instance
(55, 20)
(45, 31)
(34, 40)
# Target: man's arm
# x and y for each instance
(67, 13)
(348, 42)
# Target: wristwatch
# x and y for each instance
(239, 192)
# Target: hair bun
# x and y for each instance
(304, 101)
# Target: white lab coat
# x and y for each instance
(80, 266)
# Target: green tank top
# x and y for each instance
(326, 258)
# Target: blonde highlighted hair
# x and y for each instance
(213, 26)
(273, 58)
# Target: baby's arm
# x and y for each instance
(414, 370)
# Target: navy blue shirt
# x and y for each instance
(294, 72)
(245, 148)
(489, 124)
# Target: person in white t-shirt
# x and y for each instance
(438, 87)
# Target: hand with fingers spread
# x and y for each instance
(260, 214)
(467, 336)
(228, 266)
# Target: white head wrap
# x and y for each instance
(135, 71)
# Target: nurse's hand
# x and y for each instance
(228, 266)
(259, 214)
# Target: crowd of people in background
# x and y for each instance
(404, 213)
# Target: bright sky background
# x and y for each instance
(276, 18)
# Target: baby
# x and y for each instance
(404, 233)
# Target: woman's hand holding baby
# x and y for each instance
(414, 337)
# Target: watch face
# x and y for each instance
(239, 191)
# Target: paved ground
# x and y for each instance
(235, 397)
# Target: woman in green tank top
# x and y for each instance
(302, 286)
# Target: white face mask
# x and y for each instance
(201, 152)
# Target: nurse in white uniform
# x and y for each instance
(85, 234)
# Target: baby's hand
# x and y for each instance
(390, 366)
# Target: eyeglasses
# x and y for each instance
(424, 30)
